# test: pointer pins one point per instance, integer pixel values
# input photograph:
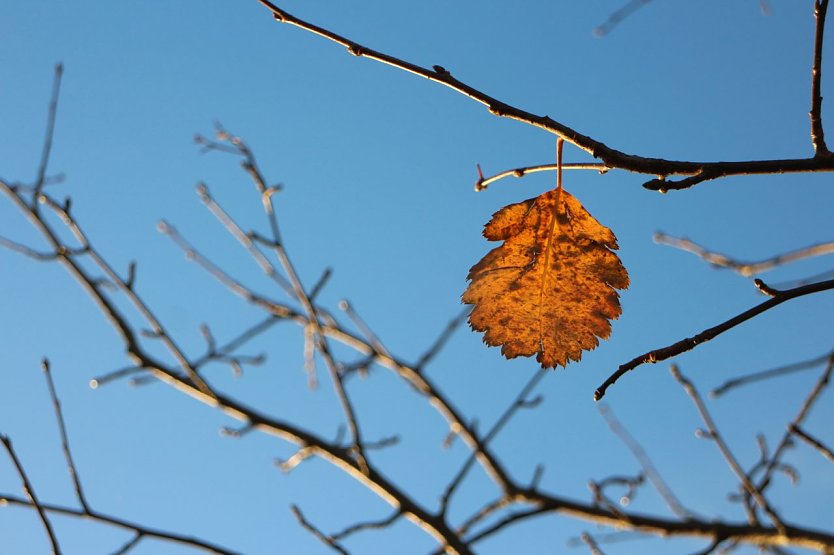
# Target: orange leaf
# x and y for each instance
(550, 289)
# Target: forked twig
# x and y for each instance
(732, 462)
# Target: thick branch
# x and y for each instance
(612, 158)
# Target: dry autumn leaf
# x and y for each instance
(550, 288)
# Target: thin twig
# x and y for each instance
(689, 343)
(62, 428)
(484, 182)
(301, 295)
(518, 403)
(746, 269)
(441, 340)
(812, 441)
(589, 540)
(804, 411)
(370, 525)
(645, 463)
(771, 373)
(329, 541)
(30, 494)
(732, 462)
(50, 129)
(817, 133)
(618, 16)
(121, 523)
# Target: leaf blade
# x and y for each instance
(550, 289)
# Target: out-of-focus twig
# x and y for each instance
(812, 441)
(618, 16)
(30, 494)
(645, 462)
(746, 269)
(771, 373)
(732, 462)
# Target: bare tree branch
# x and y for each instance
(645, 463)
(732, 462)
(618, 16)
(772, 373)
(817, 134)
(698, 171)
(50, 129)
(589, 540)
(121, 523)
(329, 541)
(484, 182)
(812, 441)
(30, 494)
(73, 472)
(689, 343)
(744, 268)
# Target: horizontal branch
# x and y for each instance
(698, 171)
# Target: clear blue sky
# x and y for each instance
(378, 168)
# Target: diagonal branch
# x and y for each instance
(62, 428)
(484, 182)
(30, 494)
(812, 441)
(689, 343)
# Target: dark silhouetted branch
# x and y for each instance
(689, 343)
(610, 157)
(817, 134)
(30, 494)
